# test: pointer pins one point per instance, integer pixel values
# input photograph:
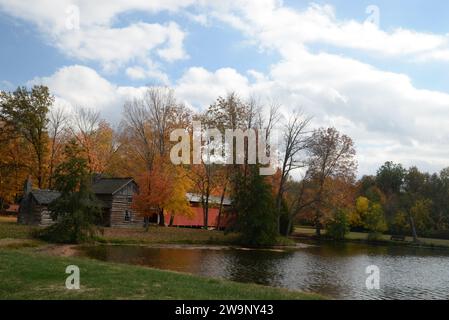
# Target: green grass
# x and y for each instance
(165, 235)
(10, 229)
(27, 275)
(384, 238)
(172, 235)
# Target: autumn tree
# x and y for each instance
(162, 189)
(58, 120)
(369, 215)
(16, 163)
(26, 112)
(209, 175)
(295, 140)
(96, 138)
(147, 124)
(331, 155)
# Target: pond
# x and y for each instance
(337, 271)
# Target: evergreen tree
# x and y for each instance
(76, 210)
(254, 203)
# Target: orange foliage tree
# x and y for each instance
(162, 189)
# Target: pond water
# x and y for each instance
(334, 270)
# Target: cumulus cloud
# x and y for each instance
(277, 26)
(199, 87)
(80, 86)
(85, 30)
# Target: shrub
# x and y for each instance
(73, 227)
(374, 219)
(338, 226)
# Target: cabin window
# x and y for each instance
(127, 216)
(130, 199)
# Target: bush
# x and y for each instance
(70, 228)
(374, 219)
(338, 227)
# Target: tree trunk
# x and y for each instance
(206, 211)
(146, 223)
(172, 218)
(161, 218)
(40, 178)
(317, 230)
(221, 207)
(278, 212)
(318, 211)
(206, 215)
(317, 224)
(412, 225)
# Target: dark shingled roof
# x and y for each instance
(45, 196)
(110, 185)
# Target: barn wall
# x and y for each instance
(197, 220)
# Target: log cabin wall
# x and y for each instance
(106, 205)
(46, 219)
(122, 215)
(30, 212)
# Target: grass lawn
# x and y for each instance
(27, 275)
(158, 234)
(360, 236)
(9, 229)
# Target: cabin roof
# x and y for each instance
(45, 196)
(196, 198)
(110, 185)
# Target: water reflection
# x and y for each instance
(335, 270)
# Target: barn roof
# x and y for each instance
(194, 197)
(110, 185)
(45, 196)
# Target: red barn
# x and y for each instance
(198, 218)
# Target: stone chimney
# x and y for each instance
(96, 177)
(28, 186)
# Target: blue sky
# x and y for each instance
(26, 54)
(386, 85)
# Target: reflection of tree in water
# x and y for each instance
(256, 266)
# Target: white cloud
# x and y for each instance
(200, 88)
(96, 39)
(80, 86)
(279, 27)
(150, 71)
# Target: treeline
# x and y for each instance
(407, 201)
(314, 181)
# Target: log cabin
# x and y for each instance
(115, 196)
